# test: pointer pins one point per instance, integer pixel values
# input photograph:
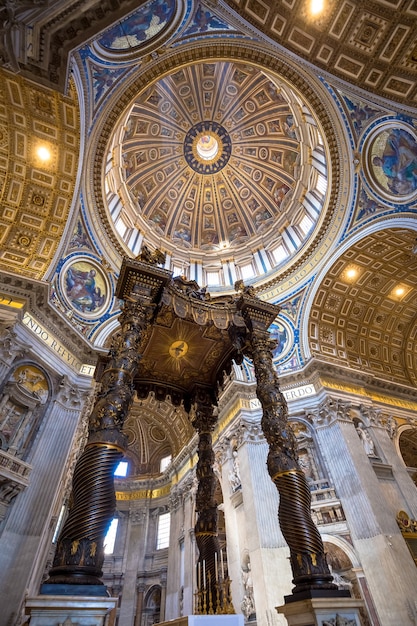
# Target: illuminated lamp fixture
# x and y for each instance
(399, 292)
(43, 153)
(316, 7)
(351, 274)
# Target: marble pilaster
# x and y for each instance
(27, 533)
(269, 553)
(180, 584)
(135, 542)
(392, 578)
(253, 531)
(401, 481)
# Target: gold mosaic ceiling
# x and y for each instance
(217, 155)
(35, 194)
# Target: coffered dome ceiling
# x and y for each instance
(218, 160)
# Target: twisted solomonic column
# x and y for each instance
(80, 552)
(307, 557)
(206, 532)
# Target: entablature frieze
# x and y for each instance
(32, 297)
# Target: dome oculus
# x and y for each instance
(207, 147)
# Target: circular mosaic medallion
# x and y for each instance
(283, 335)
(391, 162)
(207, 147)
(85, 287)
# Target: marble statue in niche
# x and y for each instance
(234, 474)
(248, 601)
(366, 439)
(21, 406)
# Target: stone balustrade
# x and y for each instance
(14, 477)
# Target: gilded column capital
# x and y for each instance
(329, 411)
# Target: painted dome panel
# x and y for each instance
(217, 156)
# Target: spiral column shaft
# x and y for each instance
(308, 560)
(80, 552)
(206, 531)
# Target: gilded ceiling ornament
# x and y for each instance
(178, 349)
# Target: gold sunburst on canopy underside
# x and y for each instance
(183, 354)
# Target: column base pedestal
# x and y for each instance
(316, 611)
(62, 589)
(205, 620)
(48, 610)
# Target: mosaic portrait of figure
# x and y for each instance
(280, 334)
(140, 27)
(394, 161)
(85, 287)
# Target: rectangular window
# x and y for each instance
(110, 538)
(121, 227)
(164, 523)
(279, 254)
(165, 461)
(59, 524)
(247, 271)
(178, 271)
(121, 469)
(213, 278)
(321, 185)
(306, 224)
